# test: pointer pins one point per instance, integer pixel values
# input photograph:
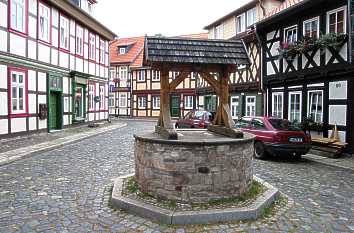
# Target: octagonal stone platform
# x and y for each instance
(166, 216)
(200, 166)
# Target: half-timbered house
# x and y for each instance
(53, 63)
(139, 96)
(307, 69)
(246, 97)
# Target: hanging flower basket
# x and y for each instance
(332, 40)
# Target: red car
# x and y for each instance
(195, 119)
(275, 136)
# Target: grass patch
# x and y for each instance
(131, 184)
(271, 210)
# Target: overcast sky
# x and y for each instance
(129, 18)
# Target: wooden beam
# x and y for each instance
(211, 81)
(174, 84)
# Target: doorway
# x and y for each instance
(55, 114)
(175, 102)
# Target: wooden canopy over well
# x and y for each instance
(213, 60)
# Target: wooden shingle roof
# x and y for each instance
(195, 51)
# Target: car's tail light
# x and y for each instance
(202, 124)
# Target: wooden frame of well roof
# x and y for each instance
(213, 60)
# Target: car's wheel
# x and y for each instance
(259, 151)
(297, 156)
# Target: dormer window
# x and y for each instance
(122, 50)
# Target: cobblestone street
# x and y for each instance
(65, 190)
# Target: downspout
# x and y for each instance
(265, 112)
(350, 28)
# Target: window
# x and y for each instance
(122, 50)
(295, 99)
(277, 107)
(102, 98)
(92, 46)
(43, 22)
(141, 76)
(156, 102)
(111, 100)
(142, 102)
(257, 124)
(79, 40)
(290, 34)
(188, 102)
(123, 73)
(173, 74)
(250, 106)
(155, 75)
(64, 33)
(218, 32)
(315, 105)
(123, 100)
(91, 96)
(251, 17)
(336, 21)
(240, 23)
(234, 106)
(18, 92)
(102, 52)
(18, 19)
(311, 28)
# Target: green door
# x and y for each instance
(53, 111)
(210, 103)
(175, 106)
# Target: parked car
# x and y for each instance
(275, 136)
(196, 119)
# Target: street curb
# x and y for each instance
(25, 152)
(328, 162)
(166, 216)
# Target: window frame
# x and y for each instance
(219, 32)
(237, 105)
(254, 11)
(49, 41)
(282, 104)
(102, 51)
(155, 102)
(102, 90)
(155, 75)
(120, 99)
(242, 26)
(93, 59)
(144, 102)
(309, 106)
(252, 104)
(285, 34)
(11, 27)
(123, 69)
(91, 95)
(122, 49)
(67, 49)
(188, 102)
(77, 28)
(17, 113)
(310, 21)
(140, 76)
(343, 8)
(289, 104)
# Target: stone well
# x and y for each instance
(198, 167)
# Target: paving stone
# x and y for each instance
(79, 175)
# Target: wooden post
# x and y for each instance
(164, 125)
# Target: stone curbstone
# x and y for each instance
(165, 216)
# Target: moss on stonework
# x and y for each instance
(131, 184)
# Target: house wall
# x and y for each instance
(41, 60)
(325, 71)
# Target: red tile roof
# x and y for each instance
(283, 6)
(134, 55)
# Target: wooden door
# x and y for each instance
(175, 111)
(53, 111)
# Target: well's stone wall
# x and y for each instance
(193, 171)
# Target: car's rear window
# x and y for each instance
(199, 115)
(282, 124)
